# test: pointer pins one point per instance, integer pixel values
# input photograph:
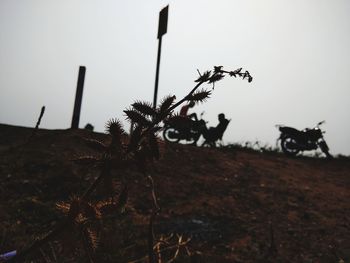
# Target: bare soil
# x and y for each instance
(236, 205)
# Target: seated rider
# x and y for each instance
(221, 127)
(215, 133)
(192, 119)
(184, 111)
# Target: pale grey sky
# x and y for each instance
(298, 52)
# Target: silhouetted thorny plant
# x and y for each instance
(83, 217)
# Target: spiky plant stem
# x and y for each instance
(106, 168)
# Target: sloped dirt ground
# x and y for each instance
(236, 205)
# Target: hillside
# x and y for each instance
(236, 205)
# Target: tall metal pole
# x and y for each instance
(162, 29)
(157, 74)
(78, 98)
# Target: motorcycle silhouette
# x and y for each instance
(294, 141)
(180, 128)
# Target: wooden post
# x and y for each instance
(78, 98)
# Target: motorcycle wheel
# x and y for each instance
(193, 138)
(171, 135)
(328, 155)
(324, 147)
(210, 144)
(287, 150)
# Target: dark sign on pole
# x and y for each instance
(78, 98)
(162, 29)
(163, 21)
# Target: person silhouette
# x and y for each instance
(221, 127)
(191, 120)
(184, 111)
(215, 133)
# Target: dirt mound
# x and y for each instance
(236, 205)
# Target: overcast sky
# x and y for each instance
(298, 52)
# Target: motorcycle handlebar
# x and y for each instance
(321, 122)
(318, 124)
